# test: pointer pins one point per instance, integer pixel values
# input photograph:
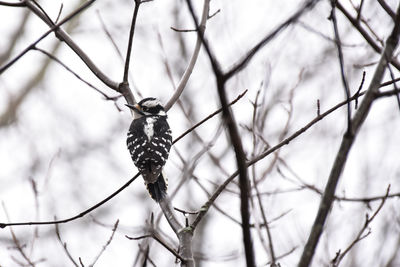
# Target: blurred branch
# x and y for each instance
(116, 48)
(54, 27)
(394, 84)
(20, 4)
(360, 236)
(207, 118)
(387, 93)
(50, 55)
(255, 186)
(390, 82)
(63, 36)
(341, 60)
(314, 188)
(20, 249)
(242, 63)
(180, 30)
(347, 142)
(10, 113)
(64, 245)
(364, 34)
(186, 75)
(18, 32)
(107, 243)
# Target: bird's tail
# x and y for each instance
(158, 189)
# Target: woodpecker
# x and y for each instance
(149, 141)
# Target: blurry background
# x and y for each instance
(63, 145)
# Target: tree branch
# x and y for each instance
(186, 75)
(3, 225)
(236, 142)
(63, 36)
(242, 63)
(341, 61)
(364, 34)
(347, 142)
(54, 27)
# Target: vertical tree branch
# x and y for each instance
(123, 87)
(130, 42)
(341, 61)
(186, 75)
(347, 142)
(229, 120)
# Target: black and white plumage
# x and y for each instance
(149, 141)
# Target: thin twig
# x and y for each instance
(53, 28)
(106, 244)
(208, 117)
(186, 75)
(364, 34)
(341, 61)
(16, 241)
(238, 66)
(180, 30)
(360, 236)
(155, 236)
(359, 90)
(130, 42)
(390, 82)
(3, 225)
(64, 245)
(255, 186)
(63, 36)
(75, 74)
(394, 84)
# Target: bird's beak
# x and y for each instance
(135, 108)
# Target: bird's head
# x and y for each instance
(149, 106)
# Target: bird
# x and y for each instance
(149, 142)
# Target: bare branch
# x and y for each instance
(360, 236)
(341, 61)
(75, 74)
(16, 241)
(236, 142)
(53, 28)
(238, 66)
(347, 142)
(130, 42)
(207, 118)
(186, 75)
(63, 36)
(106, 244)
(3, 225)
(364, 33)
(20, 4)
(180, 30)
(64, 245)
